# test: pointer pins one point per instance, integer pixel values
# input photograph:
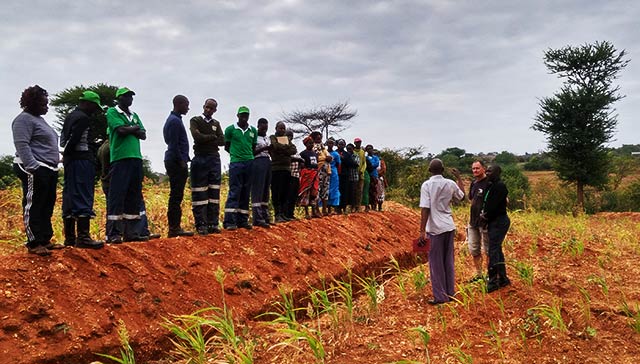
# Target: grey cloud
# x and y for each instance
(438, 73)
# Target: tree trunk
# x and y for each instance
(580, 196)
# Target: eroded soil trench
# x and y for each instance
(65, 308)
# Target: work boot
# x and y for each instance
(179, 232)
(84, 240)
(493, 282)
(202, 230)
(69, 231)
(502, 274)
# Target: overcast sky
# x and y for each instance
(433, 73)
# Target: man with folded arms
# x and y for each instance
(125, 131)
(240, 140)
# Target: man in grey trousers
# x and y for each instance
(437, 224)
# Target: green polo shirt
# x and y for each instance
(242, 142)
(122, 146)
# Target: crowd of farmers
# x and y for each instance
(327, 177)
(266, 170)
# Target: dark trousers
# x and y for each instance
(38, 200)
(125, 197)
(138, 227)
(343, 190)
(236, 209)
(352, 192)
(178, 173)
(441, 266)
(292, 196)
(497, 231)
(279, 191)
(79, 187)
(260, 184)
(205, 189)
(373, 191)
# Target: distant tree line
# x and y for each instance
(407, 170)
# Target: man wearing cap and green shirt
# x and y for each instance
(79, 172)
(125, 192)
(240, 141)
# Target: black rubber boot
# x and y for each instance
(503, 280)
(84, 237)
(493, 284)
(69, 231)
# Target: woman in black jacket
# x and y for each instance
(494, 212)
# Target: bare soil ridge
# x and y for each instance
(66, 307)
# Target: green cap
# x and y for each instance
(243, 110)
(91, 97)
(123, 90)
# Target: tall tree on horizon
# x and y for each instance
(580, 119)
(67, 100)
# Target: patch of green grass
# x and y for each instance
(127, 356)
(458, 353)
(525, 272)
(425, 338)
(633, 314)
(552, 314)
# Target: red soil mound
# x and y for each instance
(66, 307)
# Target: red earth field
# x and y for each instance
(65, 308)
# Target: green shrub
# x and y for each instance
(518, 185)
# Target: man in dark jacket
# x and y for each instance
(495, 213)
(79, 173)
(281, 151)
(176, 158)
(206, 171)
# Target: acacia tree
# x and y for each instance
(325, 119)
(67, 100)
(579, 119)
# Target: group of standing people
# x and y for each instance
(340, 180)
(320, 177)
(486, 231)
